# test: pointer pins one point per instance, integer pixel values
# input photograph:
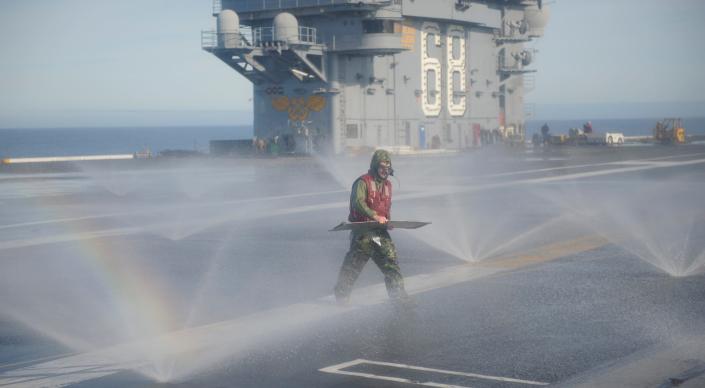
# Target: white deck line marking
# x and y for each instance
(62, 220)
(166, 208)
(227, 217)
(588, 174)
(59, 238)
(78, 158)
(522, 172)
(338, 369)
(641, 162)
(273, 198)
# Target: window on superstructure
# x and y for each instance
(379, 26)
(351, 131)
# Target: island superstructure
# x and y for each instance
(337, 76)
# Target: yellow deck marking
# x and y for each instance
(546, 253)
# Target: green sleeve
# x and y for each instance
(358, 199)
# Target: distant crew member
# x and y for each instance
(371, 200)
(587, 127)
(546, 133)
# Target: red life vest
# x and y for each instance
(380, 202)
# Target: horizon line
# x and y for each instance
(241, 125)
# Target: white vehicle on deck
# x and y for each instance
(608, 138)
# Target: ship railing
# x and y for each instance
(248, 37)
(510, 65)
(264, 36)
(211, 39)
(260, 5)
(518, 69)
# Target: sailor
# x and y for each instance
(371, 200)
(587, 127)
(546, 133)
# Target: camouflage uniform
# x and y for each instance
(374, 243)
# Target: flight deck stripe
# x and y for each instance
(338, 369)
(166, 208)
(546, 253)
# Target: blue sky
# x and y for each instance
(127, 63)
(87, 62)
(622, 57)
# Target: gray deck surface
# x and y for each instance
(547, 267)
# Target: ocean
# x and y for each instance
(19, 143)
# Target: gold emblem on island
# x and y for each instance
(299, 107)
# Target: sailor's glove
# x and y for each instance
(381, 219)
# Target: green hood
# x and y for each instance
(378, 157)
